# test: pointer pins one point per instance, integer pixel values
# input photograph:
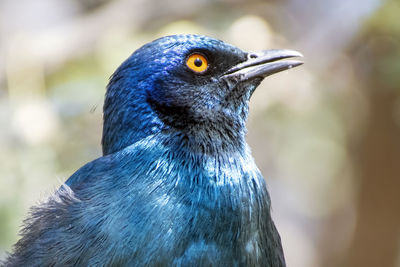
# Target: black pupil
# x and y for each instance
(198, 62)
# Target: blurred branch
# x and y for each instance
(376, 237)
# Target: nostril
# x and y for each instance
(252, 56)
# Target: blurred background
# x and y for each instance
(326, 135)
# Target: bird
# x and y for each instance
(176, 184)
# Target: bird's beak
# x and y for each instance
(262, 64)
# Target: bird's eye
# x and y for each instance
(197, 63)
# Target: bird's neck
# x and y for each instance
(219, 134)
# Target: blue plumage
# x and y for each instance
(177, 185)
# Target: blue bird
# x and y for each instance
(177, 185)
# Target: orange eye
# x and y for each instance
(197, 63)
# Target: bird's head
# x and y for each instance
(195, 85)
